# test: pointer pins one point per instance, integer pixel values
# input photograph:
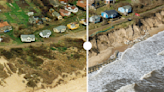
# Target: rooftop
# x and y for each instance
(3, 24)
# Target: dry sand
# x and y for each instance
(78, 85)
(105, 54)
(14, 83)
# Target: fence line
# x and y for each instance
(101, 31)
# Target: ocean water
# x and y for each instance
(132, 64)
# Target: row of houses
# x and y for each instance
(44, 34)
(79, 3)
(111, 13)
(47, 33)
(68, 9)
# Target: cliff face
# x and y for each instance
(131, 34)
(141, 64)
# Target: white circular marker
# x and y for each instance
(87, 45)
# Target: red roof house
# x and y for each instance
(64, 12)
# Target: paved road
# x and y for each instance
(123, 20)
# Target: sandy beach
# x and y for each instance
(78, 85)
(105, 54)
(17, 83)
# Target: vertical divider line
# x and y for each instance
(87, 33)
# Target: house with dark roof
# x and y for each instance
(109, 14)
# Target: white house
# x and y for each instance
(125, 9)
(60, 29)
(108, 1)
(70, 8)
(27, 38)
(30, 13)
(45, 33)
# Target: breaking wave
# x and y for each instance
(133, 63)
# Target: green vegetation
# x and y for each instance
(16, 15)
(3, 74)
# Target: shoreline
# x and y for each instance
(95, 60)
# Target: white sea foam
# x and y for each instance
(134, 62)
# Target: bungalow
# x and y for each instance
(70, 8)
(5, 27)
(60, 29)
(82, 4)
(64, 12)
(27, 38)
(95, 19)
(1, 39)
(108, 1)
(30, 13)
(83, 21)
(125, 9)
(109, 14)
(33, 20)
(57, 15)
(54, 3)
(45, 33)
(63, 1)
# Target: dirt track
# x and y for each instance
(79, 35)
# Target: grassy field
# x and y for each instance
(16, 15)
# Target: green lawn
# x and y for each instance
(16, 15)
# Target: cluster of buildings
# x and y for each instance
(125, 10)
(65, 11)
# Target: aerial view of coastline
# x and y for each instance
(127, 46)
(41, 46)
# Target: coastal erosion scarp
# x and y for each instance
(124, 38)
(142, 58)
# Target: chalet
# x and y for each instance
(63, 1)
(30, 13)
(64, 12)
(109, 14)
(27, 38)
(45, 33)
(95, 19)
(82, 4)
(60, 29)
(70, 8)
(54, 3)
(108, 1)
(83, 21)
(56, 14)
(33, 20)
(5, 27)
(125, 9)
